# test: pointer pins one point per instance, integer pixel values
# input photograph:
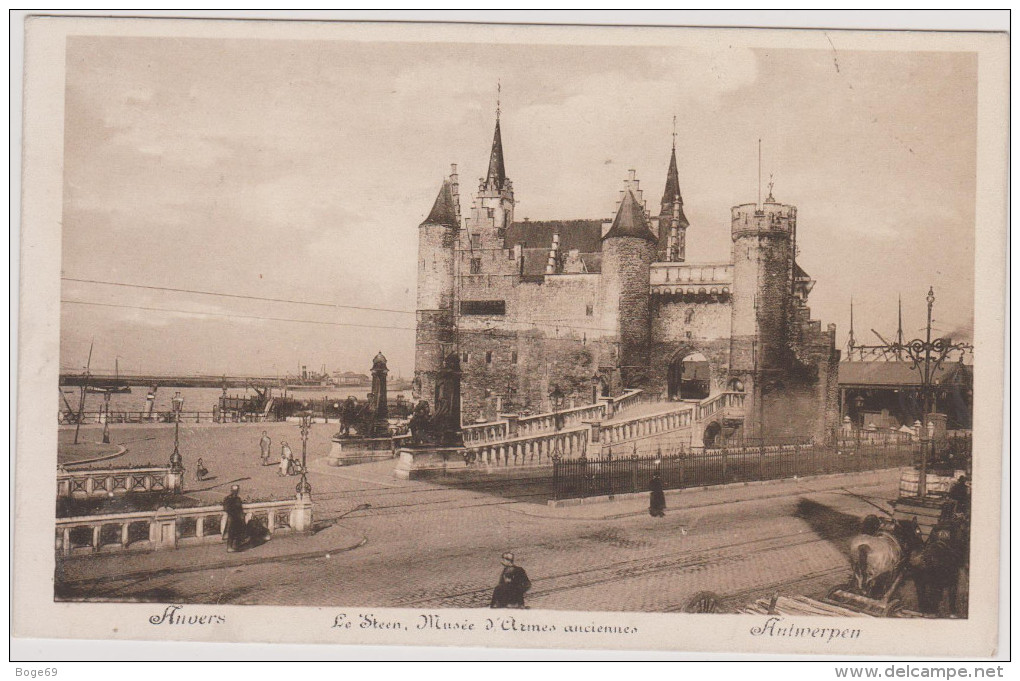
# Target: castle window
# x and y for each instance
(476, 265)
(589, 309)
(510, 254)
(488, 357)
(491, 212)
(483, 307)
(476, 241)
(513, 357)
(465, 357)
(688, 316)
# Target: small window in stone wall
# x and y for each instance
(483, 307)
(476, 241)
(513, 357)
(688, 316)
(488, 357)
(476, 265)
(589, 309)
(465, 357)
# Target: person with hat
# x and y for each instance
(265, 445)
(286, 459)
(513, 584)
(234, 531)
(657, 498)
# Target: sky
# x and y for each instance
(300, 170)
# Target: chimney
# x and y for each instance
(455, 188)
(550, 267)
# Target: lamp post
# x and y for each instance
(303, 488)
(926, 357)
(176, 460)
(106, 418)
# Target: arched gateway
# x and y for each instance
(689, 376)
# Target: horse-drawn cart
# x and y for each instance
(923, 540)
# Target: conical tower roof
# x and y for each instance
(630, 220)
(444, 210)
(496, 177)
(671, 194)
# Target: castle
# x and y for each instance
(540, 315)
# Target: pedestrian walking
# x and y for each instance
(200, 470)
(234, 531)
(286, 459)
(513, 584)
(657, 498)
(265, 445)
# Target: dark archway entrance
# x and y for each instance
(713, 435)
(689, 377)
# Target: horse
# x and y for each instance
(880, 554)
(936, 569)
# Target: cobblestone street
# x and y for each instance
(427, 545)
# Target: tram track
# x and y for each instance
(613, 572)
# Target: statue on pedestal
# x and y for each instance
(378, 400)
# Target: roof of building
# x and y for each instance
(895, 374)
(580, 235)
(444, 210)
(630, 220)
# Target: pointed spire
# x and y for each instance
(671, 194)
(899, 327)
(444, 210)
(850, 342)
(630, 220)
(495, 179)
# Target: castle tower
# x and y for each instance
(763, 248)
(672, 237)
(436, 336)
(628, 249)
(494, 202)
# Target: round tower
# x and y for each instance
(763, 250)
(628, 249)
(436, 335)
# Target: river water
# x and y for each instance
(199, 399)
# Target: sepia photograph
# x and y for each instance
(512, 335)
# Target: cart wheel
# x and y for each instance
(848, 587)
(703, 602)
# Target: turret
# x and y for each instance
(495, 199)
(628, 249)
(672, 236)
(436, 331)
(763, 268)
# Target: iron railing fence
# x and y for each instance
(682, 467)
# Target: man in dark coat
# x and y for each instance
(513, 583)
(657, 499)
(234, 508)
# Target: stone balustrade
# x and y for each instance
(683, 278)
(168, 528)
(679, 419)
(531, 450)
(512, 426)
(89, 483)
(723, 402)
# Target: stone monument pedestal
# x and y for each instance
(417, 463)
(348, 451)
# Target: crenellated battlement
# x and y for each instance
(750, 219)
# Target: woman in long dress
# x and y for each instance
(657, 499)
(285, 458)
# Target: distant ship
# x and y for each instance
(309, 381)
(109, 386)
